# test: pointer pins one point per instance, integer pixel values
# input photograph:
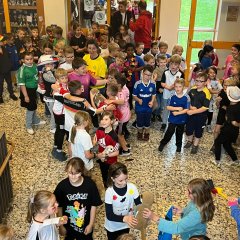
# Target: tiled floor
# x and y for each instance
(166, 174)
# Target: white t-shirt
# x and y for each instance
(122, 205)
(46, 230)
(82, 142)
(66, 66)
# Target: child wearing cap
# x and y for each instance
(5, 70)
(230, 130)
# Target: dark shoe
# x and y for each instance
(140, 136)
(125, 153)
(153, 119)
(60, 156)
(179, 149)
(161, 147)
(13, 97)
(194, 149)
(188, 144)
(163, 127)
(1, 100)
(146, 136)
(134, 124)
(128, 146)
(159, 118)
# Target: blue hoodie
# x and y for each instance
(235, 213)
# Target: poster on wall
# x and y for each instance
(232, 13)
(99, 17)
(88, 5)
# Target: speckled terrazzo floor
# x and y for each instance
(166, 174)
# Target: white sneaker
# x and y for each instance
(215, 162)
(209, 129)
(53, 130)
(233, 163)
(30, 131)
(40, 123)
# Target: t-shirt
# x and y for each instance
(82, 142)
(45, 231)
(80, 42)
(107, 139)
(233, 112)
(66, 66)
(175, 101)
(86, 80)
(206, 62)
(225, 101)
(228, 66)
(144, 92)
(169, 78)
(122, 205)
(58, 108)
(76, 203)
(199, 98)
(28, 76)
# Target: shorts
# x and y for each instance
(32, 94)
(221, 117)
(143, 119)
(195, 125)
(122, 128)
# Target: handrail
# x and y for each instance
(7, 158)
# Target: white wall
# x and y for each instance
(55, 12)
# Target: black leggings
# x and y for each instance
(116, 234)
(59, 135)
(209, 117)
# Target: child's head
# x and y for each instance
(154, 47)
(174, 62)
(200, 193)
(75, 87)
(235, 70)
(117, 175)
(207, 51)
(111, 75)
(21, 33)
(75, 170)
(49, 31)
(61, 75)
(126, 236)
(107, 119)
(208, 42)
(6, 232)
(69, 54)
(199, 237)
(112, 90)
(47, 48)
(147, 73)
(123, 29)
(120, 58)
(59, 47)
(95, 27)
(81, 118)
(162, 61)
(104, 41)
(163, 47)
(149, 59)
(79, 66)
(92, 47)
(179, 85)
(212, 72)
(34, 31)
(9, 38)
(113, 49)
(228, 83)
(122, 5)
(235, 50)
(77, 29)
(139, 48)
(201, 80)
(44, 202)
(27, 42)
(28, 58)
(198, 68)
(122, 44)
(58, 31)
(121, 81)
(129, 49)
(177, 49)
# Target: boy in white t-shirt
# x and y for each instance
(69, 56)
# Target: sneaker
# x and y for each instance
(30, 131)
(61, 156)
(159, 118)
(153, 119)
(194, 149)
(53, 130)
(1, 100)
(13, 97)
(128, 146)
(40, 123)
(146, 136)
(179, 149)
(216, 162)
(161, 147)
(234, 163)
(134, 124)
(140, 136)
(209, 129)
(125, 153)
(163, 127)
(188, 144)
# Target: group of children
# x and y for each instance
(94, 82)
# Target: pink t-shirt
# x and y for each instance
(86, 80)
(228, 66)
(124, 108)
(114, 65)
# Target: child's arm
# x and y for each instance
(25, 94)
(150, 104)
(89, 227)
(69, 149)
(101, 82)
(197, 110)
(137, 99)
(212, 91)
(62, 229)
(173, 109)
(115, 101)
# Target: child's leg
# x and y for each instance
(190, 130)
(8, 80)
(29, 119)
(209, 117)
(36, 118)
(104, 167)
(229, 149)
(200, 120)
(146, 125)
(216, 131)
(179, 135)
(165, 111)
(168, 134)
(140, 124)
(52, 120)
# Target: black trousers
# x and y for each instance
(172, 128)
(7, 77)
(104, 167)
(227, 136)
(115, 235)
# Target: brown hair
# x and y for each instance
(148, 68)
(74, 85)
(126, 236)
(148, 57)
(58, 30)
(176, 48)
(27, 39)
(120, 55)
(6, 232)
(175, 59)
(68, 50)
(40, 201)
(202, 197)
(161, 57)
(107, 113)
(115, 170)
(162, 44)
(139, 44)
(202, 75)
(78, 62)
(112, 89)
(77, 164)
(60, 72)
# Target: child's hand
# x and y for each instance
(150, 104)
(101, 155)
(150, 215)
(88, 229)
(190, 112)
(63, 220)
(26, 99)
(175, 113)
(179, 109)
(140, 101)
(177, 210)
(111, 107)
(130, 220)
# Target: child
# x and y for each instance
(194, 217)
(78, 197)
(46, 49)
(163, 47)
(205, 57)
(200, 98)
(119, 63)
(6, 233)
(78, 41)
(105, 136)
(80, 142)
(230, 130)
(139, 49)
(154, 49)
(58, 31)
(19, 40)
(5, 70)
(104, 46)
(149, 59)
(59, 51)
(113, 49)
(167, 82)
(40, 208)
(157, 76)
(28, 81)
(96, 31)
(178, 107)
(178, 49)
(235, 211)
(235, 73)
(144, 94)
(214, 86)
(120, 198)
(126, 236)
(123, 30)
(195, 69)
(81, 74)
(69, 56)
(49, 37)
(35, 39)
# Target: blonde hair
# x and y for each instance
(175, 59)
(60, 44)
(80, 118)
(113, 46)
(148, 57)
(6, 232)
(120, 55)
(40, 201)
(179, 81)
(60, 72)
(177, 48)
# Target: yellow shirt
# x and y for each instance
(96, 67)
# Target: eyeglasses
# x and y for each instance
(199, 81)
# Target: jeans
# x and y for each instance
(52, 120)
(31, 118)
(7, 77)
(165, 112)
(159, 109)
